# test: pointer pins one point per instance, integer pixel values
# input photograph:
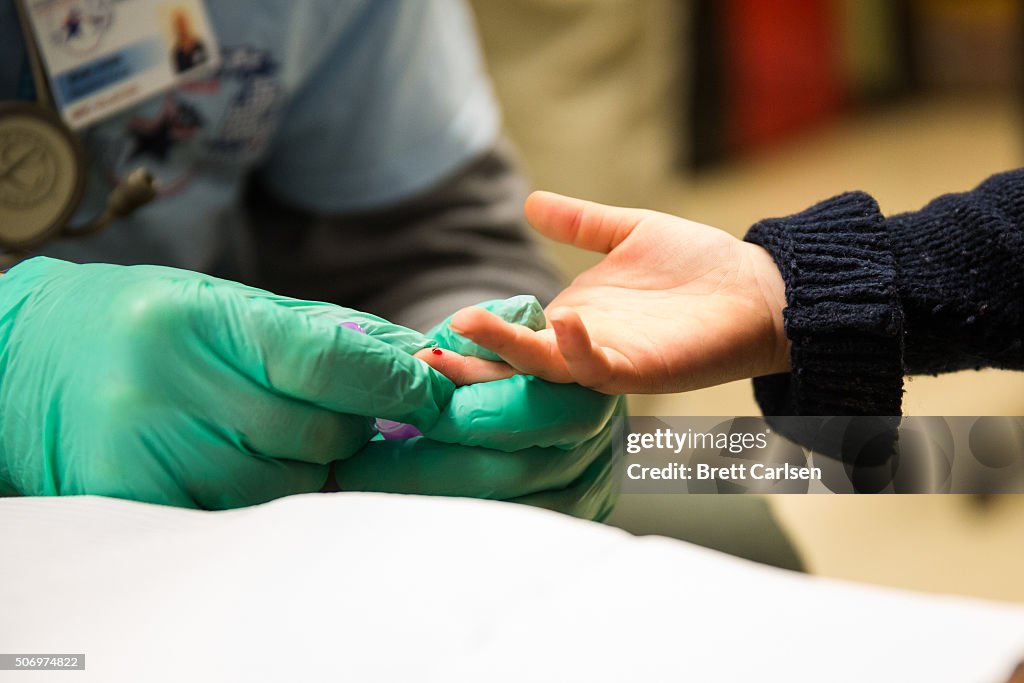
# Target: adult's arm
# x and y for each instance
(456, 244)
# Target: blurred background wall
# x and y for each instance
(729, 111)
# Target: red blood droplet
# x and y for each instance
(436, 352)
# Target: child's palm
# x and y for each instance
(675, 305)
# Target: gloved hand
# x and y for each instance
(172, 387)
(520, 439)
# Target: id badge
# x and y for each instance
(103, 56)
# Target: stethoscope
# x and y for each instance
(43, 171)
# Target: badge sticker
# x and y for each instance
(103, 56)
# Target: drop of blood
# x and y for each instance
(436, 352)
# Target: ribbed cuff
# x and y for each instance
(843, 315)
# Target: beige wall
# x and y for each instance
(590, 90)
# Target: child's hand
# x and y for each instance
(675, 305)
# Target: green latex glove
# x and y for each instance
(520, 439)
(172, 387)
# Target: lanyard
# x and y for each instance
(26, 83)
(33, 75)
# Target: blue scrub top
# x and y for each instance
(344, 106)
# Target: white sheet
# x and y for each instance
(362, 587)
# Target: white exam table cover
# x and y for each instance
(369, 587)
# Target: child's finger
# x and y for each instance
(463, 370)
(583, 224)
(532, 353)
(584, 359)
(589, 363)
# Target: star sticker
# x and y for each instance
(155, 137)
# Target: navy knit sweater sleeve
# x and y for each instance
(871, 299)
